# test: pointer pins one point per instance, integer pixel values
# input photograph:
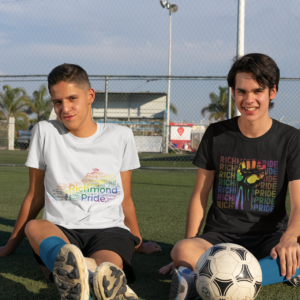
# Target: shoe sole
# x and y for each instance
(176, 286)
(70, 274)
(295, 281)
(110, 283)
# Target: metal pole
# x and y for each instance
(169, 84)
(240, 51)
(229, 103)
(106, 99)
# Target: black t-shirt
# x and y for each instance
(251, 176)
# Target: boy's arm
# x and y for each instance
(130, 216)
(288, 248)
(198, 202)
(32, 205)
(196, 209)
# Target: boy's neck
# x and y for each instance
(86, 130)
(256, 128)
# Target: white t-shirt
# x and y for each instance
(83, 187)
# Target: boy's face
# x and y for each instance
(72, 105)
(251, 99)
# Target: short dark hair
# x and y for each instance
(262, 66)
(68, 73)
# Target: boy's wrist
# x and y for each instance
(6, 250)
(288, 236)
(139, 248)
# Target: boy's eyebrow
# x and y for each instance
(253, 90)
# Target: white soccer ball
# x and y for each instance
(228, 272)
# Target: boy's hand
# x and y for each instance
(148, 248)
(168, 268)
(288, 251)
(4, 251)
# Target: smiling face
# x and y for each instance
(251, 99)
(72, 105)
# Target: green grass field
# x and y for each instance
(161, 199)
(16, 157)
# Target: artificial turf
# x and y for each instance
(161, 198)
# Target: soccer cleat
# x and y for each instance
(295, 281)
(109, 283)
(70, 274)
(183, 285)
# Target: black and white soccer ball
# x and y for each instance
(228, 272)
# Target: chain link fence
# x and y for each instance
(140, 103)
(132, 37)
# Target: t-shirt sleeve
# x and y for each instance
(204, 158)
(35, 157)
(130, 156)
(293, 159)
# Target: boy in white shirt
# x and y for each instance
(80, 172)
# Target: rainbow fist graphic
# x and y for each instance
(249, 173)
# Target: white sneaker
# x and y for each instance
(109, 283)
(183, 285)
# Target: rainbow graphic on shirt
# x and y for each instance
(94, 187)
(247, 184)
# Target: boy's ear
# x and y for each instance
(91, 95)
(273, 92)
(232, 92)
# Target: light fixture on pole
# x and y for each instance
(172, 9)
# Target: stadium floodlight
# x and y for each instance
(163, 3)
(172, 9)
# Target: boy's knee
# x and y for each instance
(30, 227)
(179, 249)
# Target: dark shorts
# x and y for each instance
(89, 241)
(259, 245)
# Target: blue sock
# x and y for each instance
(49, 249)
(271, 271)
(187, 271)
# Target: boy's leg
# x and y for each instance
(63, 259)
(107, 256)
(38, 230)
(185, 255)
(270, 267)
(187, 252)
(109, 280)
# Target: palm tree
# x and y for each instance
(173, 109)
(40, 104)
(218, 108)
(13, 103)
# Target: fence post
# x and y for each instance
(11, 133)
(106, 99)
(229, 104)
(240, 51)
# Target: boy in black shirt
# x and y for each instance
(250, 161)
